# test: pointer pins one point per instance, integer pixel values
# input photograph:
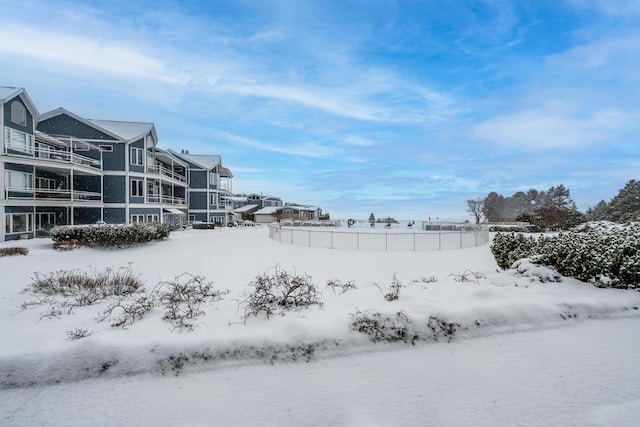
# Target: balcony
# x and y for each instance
(161, 170)
(51, 154)
(52, 194)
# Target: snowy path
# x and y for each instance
(586, 374)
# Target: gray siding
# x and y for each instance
(114, 160)
(198, 200)
(114, 215)
(198, 179)
(82, 216)
(114, 189)
(7, 116)
(66, 125)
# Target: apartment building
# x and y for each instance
(59, 168)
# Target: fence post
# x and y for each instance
(461, 239)
(386, 242)
(358, 241)
(331, 239)
(414, 242)
(439, 240)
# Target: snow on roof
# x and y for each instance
(7, 93)
(300, 207)
(127, 130)
(269, 210)
(245, 208)
(204, 160)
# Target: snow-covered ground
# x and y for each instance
(525, 352)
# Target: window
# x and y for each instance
(107, 148)
(213, 178)
(18, 141)
(18, 223)
(80, 146)
(45, 220)
(18, 113)
(46, 183)
(137, 218)
(153, 218)
(15, 180)
(136, 156)
(137, 188)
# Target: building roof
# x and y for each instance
(269, 210)
(245, 208)
(127, 130)
(60, 111)
(7, 93)
(205, 161)
(167, 157)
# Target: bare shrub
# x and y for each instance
(334, 284)
(126, 310)
(64, 290)
(381, 327)
(278, 292)
(467, 276)
(183, 297)
(90, 286)
(67, 245)
(13, 251)
(394, 289)
(78, 333)
(430, 279)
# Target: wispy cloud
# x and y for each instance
(95, 55)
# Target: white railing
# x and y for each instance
(170, 200)
(363, 241)
(52, 154)
(161, 170)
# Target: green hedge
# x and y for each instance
(607, 257)
(118, 235)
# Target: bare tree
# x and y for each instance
(476, 208)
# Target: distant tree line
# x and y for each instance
(554, 209)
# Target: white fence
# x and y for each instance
(363, 241)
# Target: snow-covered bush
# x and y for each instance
(279, 292)
(441, 328)
(608, 256)
(204, 225)
(384, 327)
(119, 235)
(507, 248)
(13, 251)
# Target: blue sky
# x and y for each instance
(402, 108)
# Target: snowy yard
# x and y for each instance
(519, 351)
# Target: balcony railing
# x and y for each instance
(161, 170)
(169, 200)
(51, 194)
(52, 154)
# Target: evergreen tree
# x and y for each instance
(625, 206)
(599, 212)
